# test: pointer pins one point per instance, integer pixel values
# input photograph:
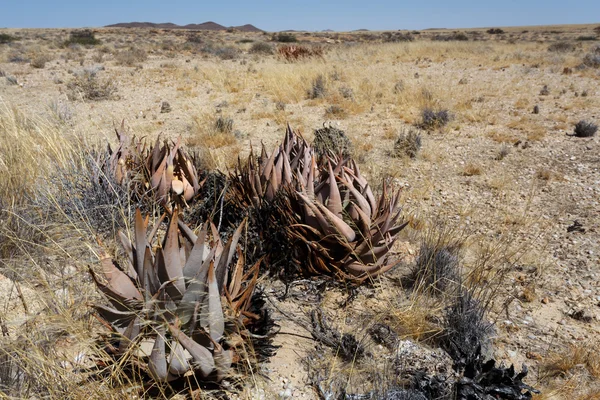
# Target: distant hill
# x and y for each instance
(205, 26)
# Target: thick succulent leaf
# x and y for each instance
(339, 224)
(157, 364)
(268, 168)
(132, 331)
(287, 170)
(158, 174)
(359, 198)
(118, 319)
(178, 363)
(140, 228)
(216, 321)
(375, 253)
(222, 265)
(236, 276)
(186, 231)
(334, 202)
(167, 282)
(118, 281)
(323, 223)
(203, 358)
(198, 254)
(195, 292)
(173, 265)
(128, 247)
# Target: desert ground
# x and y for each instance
(475, 127)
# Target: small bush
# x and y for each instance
(84, 37)
(318, 88)
(407, 144)
(561, 47)
(40, 61)
(87, 86)
(131, 57)
(261, 48)
(495, 31)
(61, 111)
(592, 60)
(223, 52)
(502, 153)
(431, 119)
(585, 129)
(397, 37)
(224, 125)
(466, 331)
(6, 38)
(283, 37)
(437, 266)
(295, 52)
(335, 111)
(586, 38)
(331, 140)
(456, 36)
(11, 80)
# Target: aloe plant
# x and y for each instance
(262, 177)
(345, 230)
(165, 171)
(333, 223)
(183, 299)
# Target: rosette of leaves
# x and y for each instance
(183, 301)
(165, 172)
(262, 177)
(345, 231)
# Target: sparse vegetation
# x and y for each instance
(284, 37)
(330, 140)
(561, 47)
(320, 213)
(408, 144)
(86, 85)
(261, 48)
(6, 38)
(431, 119)
(84, 37)
(318, 88)
(131, 56)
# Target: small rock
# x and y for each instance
(581, 315)
(165, 107)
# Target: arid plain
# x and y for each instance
(476, 127)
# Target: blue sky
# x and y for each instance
(301, 15)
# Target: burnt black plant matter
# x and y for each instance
(585, 129)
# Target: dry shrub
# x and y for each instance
(131, 56)
(297, 52)
(87, 86)
(212, 137)
(566, 361)
(407, 144)
(472, 169)
(30, 149)
(261, 48)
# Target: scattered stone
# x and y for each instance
(165, 107)
(581, 315)
(576, 227)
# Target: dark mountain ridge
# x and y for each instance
(205, 26)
